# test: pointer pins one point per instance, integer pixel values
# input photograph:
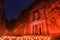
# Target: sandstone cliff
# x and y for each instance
(3, 30)
(41, 18)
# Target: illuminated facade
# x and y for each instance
(40, 21)
(40, 18)
(48, 22)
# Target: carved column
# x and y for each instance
(31, 17)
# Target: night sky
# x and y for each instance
(12, 8)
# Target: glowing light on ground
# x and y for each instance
(24, 38)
